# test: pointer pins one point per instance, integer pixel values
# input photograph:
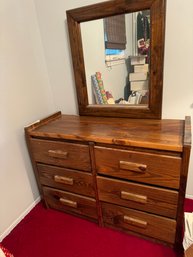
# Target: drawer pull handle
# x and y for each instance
(141, 168)
(58, 154)
(135, 222)
(133, 197)
(63, 180)
(68, 202)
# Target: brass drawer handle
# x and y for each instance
(133, 197)
(135, 222)
(68, 202)
(141, 168)
(58, 154)
(63, 180)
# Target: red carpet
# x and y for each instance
(48, 233)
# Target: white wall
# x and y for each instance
(178, 68)
(25, 96)
(53, 27)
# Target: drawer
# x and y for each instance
(75, 156)
(143, 223)
(143, 167)
(65, 179)
(136, 196)
(71, 203)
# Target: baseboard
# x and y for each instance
(189, 197)
(14, 224)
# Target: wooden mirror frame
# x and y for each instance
(106, 9)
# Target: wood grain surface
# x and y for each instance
(159, 169)
(151, 134)
(66, 179)
(151, 199)
(65, 201)
(64, 154)
(140, 222)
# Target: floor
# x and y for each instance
(49, 233)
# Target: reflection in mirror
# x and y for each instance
(116, 54)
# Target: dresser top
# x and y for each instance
(163, 134)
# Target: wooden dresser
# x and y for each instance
(122, 173)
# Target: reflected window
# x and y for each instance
(115, 40)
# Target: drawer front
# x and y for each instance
(146, 224)
(68, 155)
(143, 167)
(135, 196)
(65, 179)
(69, 202)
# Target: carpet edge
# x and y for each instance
(16, 222)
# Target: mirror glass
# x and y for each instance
(117, 59)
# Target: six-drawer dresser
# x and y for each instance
(122, 173)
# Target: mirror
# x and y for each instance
(119, 50)
(129, 77)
